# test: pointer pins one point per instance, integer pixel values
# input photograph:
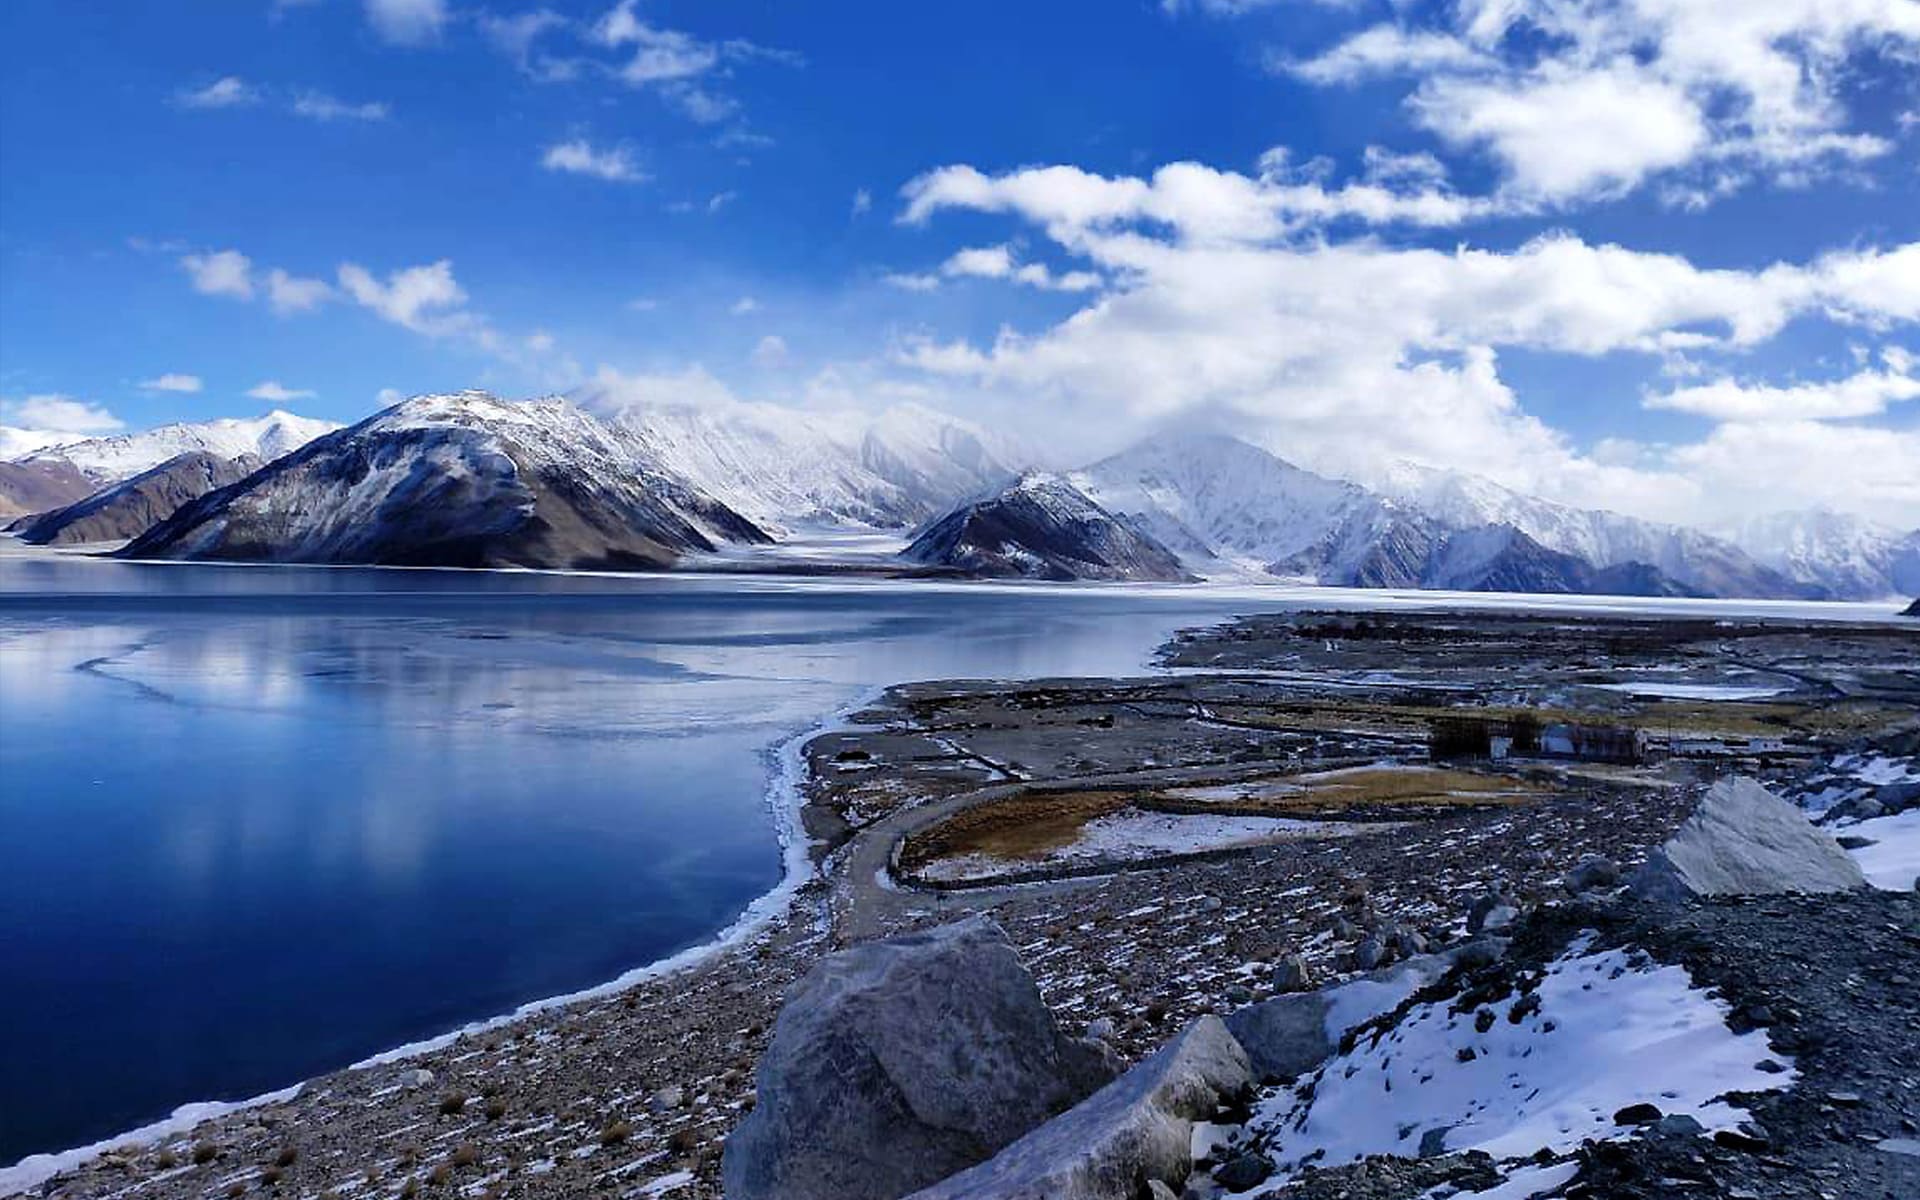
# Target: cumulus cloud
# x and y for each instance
(229, 92)
(1863, 394)
(614, 164)
(407, 22)
(425, 299)
(1589, 98)
(1350, 355)
(54, 412)
(220, 273)
(172, 381)
(998, 262)
(274, 392)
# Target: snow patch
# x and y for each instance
(1607, 1033)
(1892, 863)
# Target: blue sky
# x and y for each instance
(1532, 241)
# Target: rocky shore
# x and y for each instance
(634, 1094)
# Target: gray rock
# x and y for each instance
(1592, 873)
(1678, 1125)
(1743, 840)
(1498, 917)
(418, 1077)
(1137, 1128)
(1291, 975)
(1369, 954)
(1243, 1171)
(668, 1098)
(1157, 1190)
(1291, 1035)
(897, 1063)
(1485, 907)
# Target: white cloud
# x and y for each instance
(744, 305)
(579, 157)
(1863, 394)
(862, 202)
(53, 412)
(642, 304)
(1199, 202)
(1384, 50)
(425, 299)
(289, 294)
(516, 37)
(1579, 98)
(388, 397)
(771, 351)
(319, 106)
(273, 392)
(998, 262)
(229, 92)
(1569, 134)
(407, 22)
(221, 273)
(660, 55)
(171, 382)
(1347, 356)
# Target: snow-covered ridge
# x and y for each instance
(784, 468)
(122, 456)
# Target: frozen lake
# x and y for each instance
(256, 824)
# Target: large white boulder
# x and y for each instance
(1137, 1129)
(1742, 840)
(899, 1062)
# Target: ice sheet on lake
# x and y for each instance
(1695, 691)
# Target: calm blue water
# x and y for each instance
(258, 824)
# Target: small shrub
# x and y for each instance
(496, 1108)
(615, 1133)
(440, 1174)
(204, 1153)
(452, 1103)
(270, 1176)
(166, 1160)
(286, 1157)
(681, 1142)
(466, 1154)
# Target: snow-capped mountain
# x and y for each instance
(131, 507)
(1042, 527)
(1230, 508)
(784, 468)
(1850, 556)
(1697, 561)
(122, 456)
(458, 480)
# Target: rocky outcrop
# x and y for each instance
(1743, 840)
(1137, 1129)
(130, 508)
(1042, 527)
(896, 1063)
(1912, 610)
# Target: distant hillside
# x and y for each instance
(1042, 527)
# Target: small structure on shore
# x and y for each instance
(1452, 738)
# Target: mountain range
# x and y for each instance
(601, 480)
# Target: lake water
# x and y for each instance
(256, 824)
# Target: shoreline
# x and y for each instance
(1279, 592)
(784, 798)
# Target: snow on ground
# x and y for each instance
(1892, 863)
(1523, 1183)
(1878, 769)
(1695, 691)
(1607, 1033)
(1132, 834)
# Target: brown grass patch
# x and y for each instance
(1024, 826)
